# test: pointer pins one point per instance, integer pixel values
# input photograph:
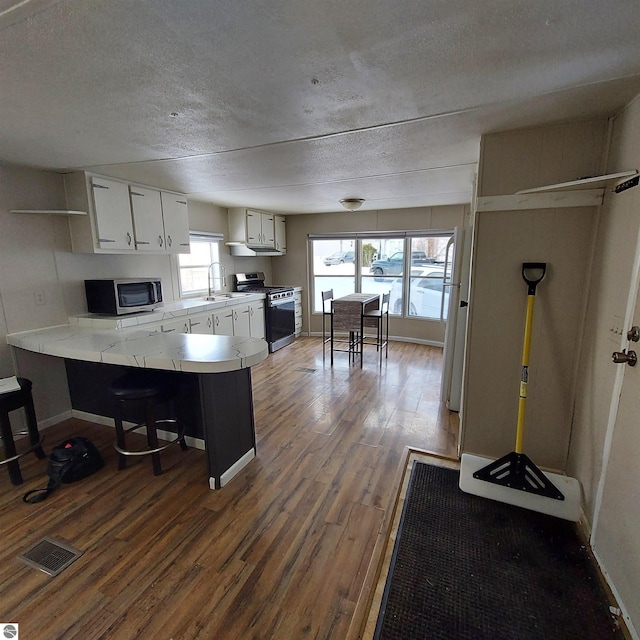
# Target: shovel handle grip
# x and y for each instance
(533, 272)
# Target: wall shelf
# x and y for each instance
(51, 212)
(586, 183)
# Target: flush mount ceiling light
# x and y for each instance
(351, 204)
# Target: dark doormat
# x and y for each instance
(469, 568)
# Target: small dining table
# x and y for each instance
(348, 315)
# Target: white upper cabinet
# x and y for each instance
(125, 218)
(176, 222)
(147, 219)
(281, 233)
(114, 227)
(260, 229)
(252, 232)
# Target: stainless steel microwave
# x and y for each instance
(116, 297)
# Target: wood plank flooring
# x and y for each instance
(281, 552)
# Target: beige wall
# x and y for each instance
(294, 267)
(503, 241)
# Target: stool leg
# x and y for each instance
(32, 426)
(9, 448)
(173, 413)
(152, 438)
(120, 436)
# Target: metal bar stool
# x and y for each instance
(376, 318)
(11, 401)
(138, 394)
(327, 296)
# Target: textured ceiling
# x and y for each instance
(290, 105)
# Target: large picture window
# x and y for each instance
(411, 267)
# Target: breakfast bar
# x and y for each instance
(213, 374)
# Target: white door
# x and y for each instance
(615, 537)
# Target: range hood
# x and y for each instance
(241, 249)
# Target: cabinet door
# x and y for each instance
(241, 324)
(268, 230)
(256, 319)
(254, 228)
(281, 234)
(298, 310)
(176, 223)
(223, 322)
(175, 326)
(201, 324)
(147, 219)
(112, 211)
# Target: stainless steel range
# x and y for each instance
(280, 312)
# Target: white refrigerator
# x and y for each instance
(456, 278)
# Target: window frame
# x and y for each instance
(215, 241)
(360, 237)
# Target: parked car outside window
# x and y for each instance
(425, 293)
(340, 257)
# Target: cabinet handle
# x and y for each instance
(194, 324)
(129, 238)
(181, 201)
(141, 242)
(95, 185)
(169, 241)
(105, 240)
(217, 320)
(209, 322)
(184, 244)
(160, 240)
(166, 330)
(135, 193)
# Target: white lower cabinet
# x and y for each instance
(223, 322)
(201, 324)
(256, 319)
(297, 295)
(241, 321)
(175, 326)
(246, 319)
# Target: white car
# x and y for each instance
(425, 293)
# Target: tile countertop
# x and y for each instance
(193, 353)
(169, 311)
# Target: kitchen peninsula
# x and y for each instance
(213, 374)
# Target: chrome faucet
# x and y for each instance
(211, 278)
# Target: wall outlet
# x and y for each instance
(39, 298)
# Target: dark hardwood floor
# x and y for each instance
(281, 552)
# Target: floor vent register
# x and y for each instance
(50, 556)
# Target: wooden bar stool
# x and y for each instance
(327, 296)
(376, 319)
(19, 399)
(138, 394)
